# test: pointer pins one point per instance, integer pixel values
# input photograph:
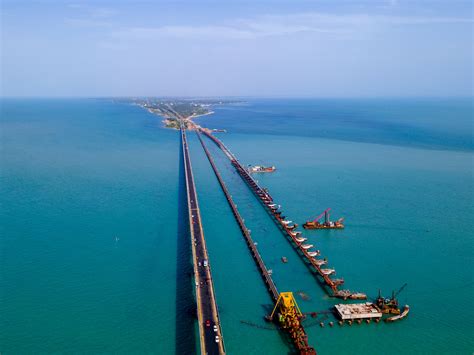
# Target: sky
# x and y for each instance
(292, 48)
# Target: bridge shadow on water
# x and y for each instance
(185, 338)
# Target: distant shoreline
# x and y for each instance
(171, 122)
(199, 115)
(175, 112)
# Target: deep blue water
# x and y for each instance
(425, 123)
(95, 249)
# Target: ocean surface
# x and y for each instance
(94, 246)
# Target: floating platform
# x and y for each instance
(357, 311)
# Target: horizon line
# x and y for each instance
(239, 97)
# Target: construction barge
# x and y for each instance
(373, 311)
(289, 229)
(367, 312)
(390, 305)
(356, 311)
(261, 169)
(286, 312)
(327, 224)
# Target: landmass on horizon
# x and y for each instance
(174, 110)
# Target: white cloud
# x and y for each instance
(89, 16)
(102, 12)
(83, 22)
(191, 32)
(279, 25)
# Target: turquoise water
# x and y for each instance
(94, 248)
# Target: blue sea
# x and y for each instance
(94, 247)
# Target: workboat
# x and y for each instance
(402, 315)
(307, 246)
(261, 169)
(301, 240)
(358, 296)
(314, 253)
(328, 271)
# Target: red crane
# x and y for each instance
(325, 213)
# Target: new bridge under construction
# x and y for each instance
(285, 314)
(289, 229)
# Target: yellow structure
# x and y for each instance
(286, 305)
(289, 319)
(287, 309)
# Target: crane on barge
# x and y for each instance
(389, 305)
(327, 224)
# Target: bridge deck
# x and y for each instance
(207, 312)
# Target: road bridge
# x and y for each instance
(210, 332)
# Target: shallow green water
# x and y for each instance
(94, 248)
